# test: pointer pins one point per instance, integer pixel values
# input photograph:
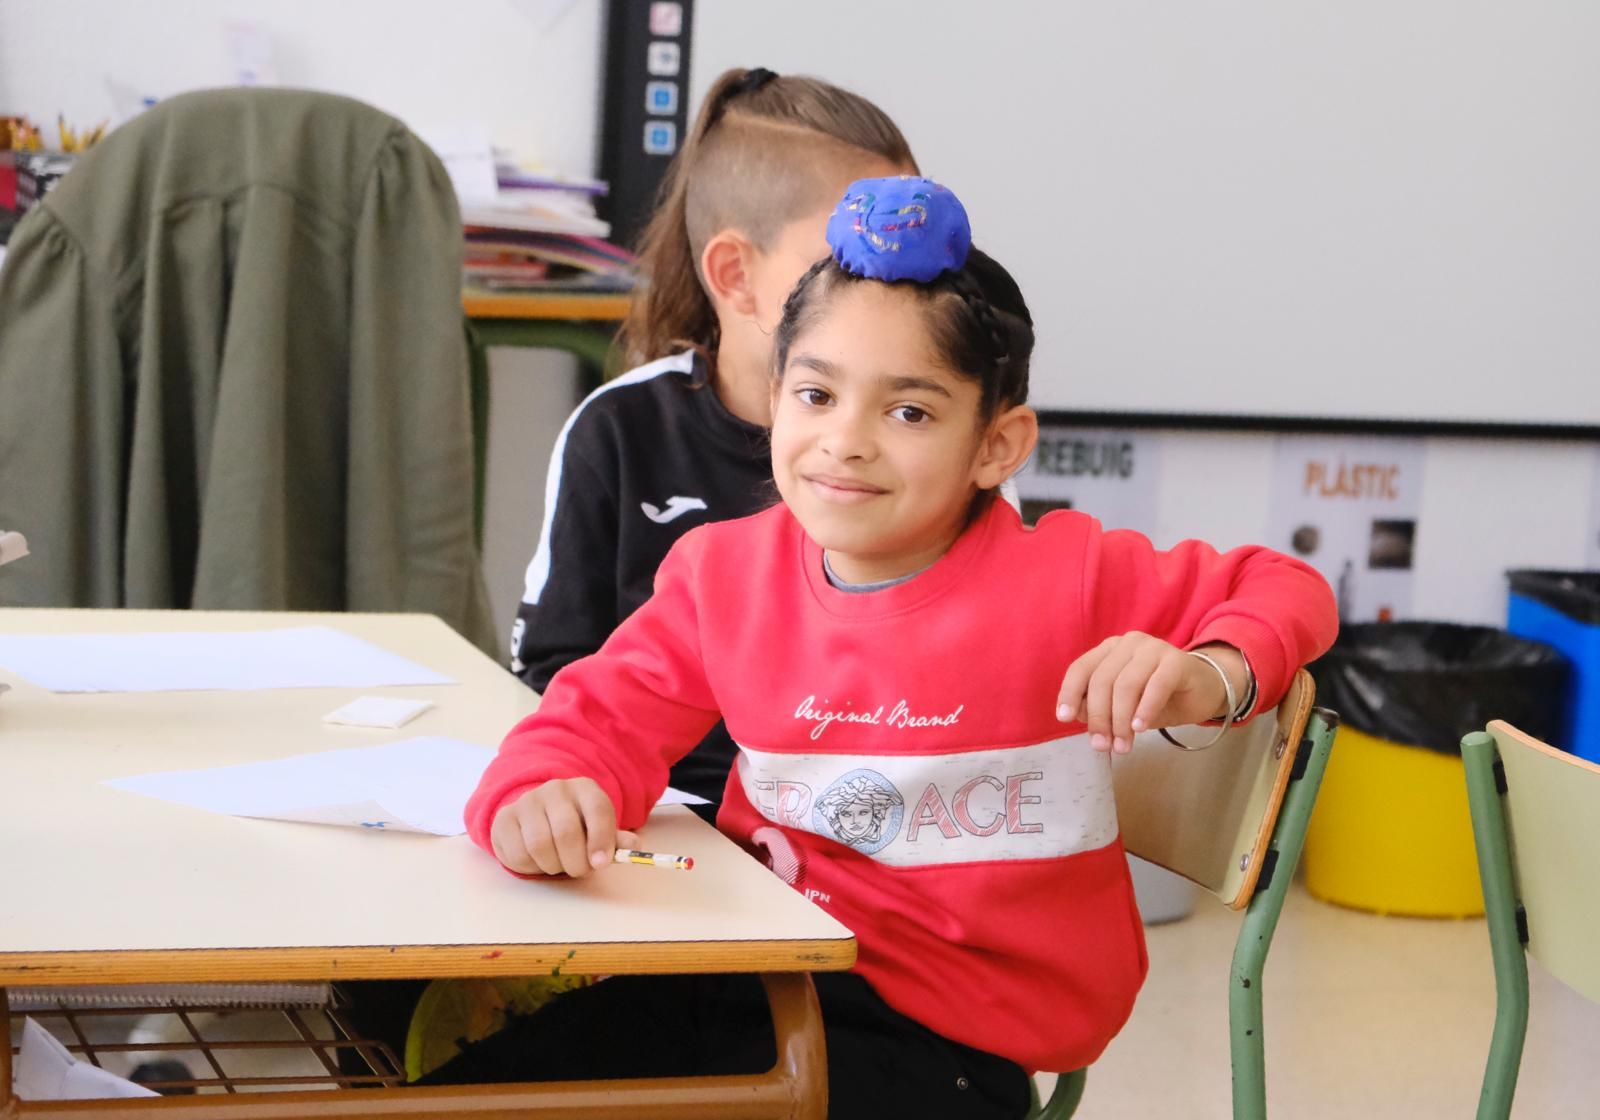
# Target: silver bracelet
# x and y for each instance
(1252, 692)
(1227, 720)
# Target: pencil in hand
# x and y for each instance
(655, 859)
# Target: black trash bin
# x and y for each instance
(1391, 831)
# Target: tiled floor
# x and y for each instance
(1366, 1016)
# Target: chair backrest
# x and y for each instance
(1552, 807)
(1208, 815)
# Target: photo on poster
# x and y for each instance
(1348, 506)
(1111, 474)
(1392, 544)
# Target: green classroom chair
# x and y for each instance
(1232, 820)
(1536, 824)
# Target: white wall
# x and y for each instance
(1277, 207)
(529, 70)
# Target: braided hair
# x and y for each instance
(978, 323)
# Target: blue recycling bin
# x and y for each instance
(1562, 609)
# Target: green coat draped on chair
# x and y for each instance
(233, 373)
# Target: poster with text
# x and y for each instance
(1347, 505)
(1109, 474)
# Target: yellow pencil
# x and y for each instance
(655, 859)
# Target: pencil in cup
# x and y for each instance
(655, 859)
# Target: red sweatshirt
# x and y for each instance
(900, 761)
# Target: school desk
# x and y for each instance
(100, 886)
(536, 305)
(581, 323)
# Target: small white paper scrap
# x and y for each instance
(414, 785)
(378, 711)
(47, 1071)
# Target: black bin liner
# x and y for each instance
(1574, 594)
(1429, 683)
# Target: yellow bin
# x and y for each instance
(1391, 831)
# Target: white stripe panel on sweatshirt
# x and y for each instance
(1042, 801)
(539, 567)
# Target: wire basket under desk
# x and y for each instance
(235, 1043)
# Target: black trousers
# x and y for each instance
(378, 1011)
(880, 1063)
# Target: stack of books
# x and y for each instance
(541, 234)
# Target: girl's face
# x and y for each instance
(876, 447)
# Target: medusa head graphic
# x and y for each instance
(862, 809)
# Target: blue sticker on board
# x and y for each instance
(660, 138)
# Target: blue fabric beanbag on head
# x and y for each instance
(899, 228)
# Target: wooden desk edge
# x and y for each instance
(155, 966)
(577, 306)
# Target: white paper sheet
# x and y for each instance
(414, 785)
(378, 711)
(293, 657)
(47, 1071)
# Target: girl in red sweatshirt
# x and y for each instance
(924, 694)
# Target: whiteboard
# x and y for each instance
(1384, 209)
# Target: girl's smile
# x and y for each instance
(843, 489)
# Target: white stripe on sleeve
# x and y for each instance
(539, 566)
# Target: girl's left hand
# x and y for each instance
(1135, 682)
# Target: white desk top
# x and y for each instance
(103, 886)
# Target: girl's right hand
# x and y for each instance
(566, 826)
